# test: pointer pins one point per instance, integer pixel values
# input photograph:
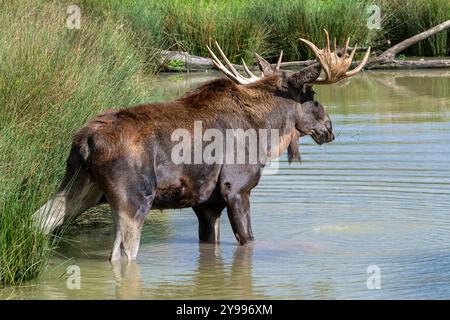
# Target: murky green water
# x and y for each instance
(378, 195)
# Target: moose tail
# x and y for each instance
(77, 192)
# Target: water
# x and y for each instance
(379, 195)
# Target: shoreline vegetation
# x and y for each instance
(54, 79)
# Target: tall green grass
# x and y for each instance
(268, 26)
(289, 21)
(52, 80)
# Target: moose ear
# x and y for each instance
(264, 66)
(306, 75)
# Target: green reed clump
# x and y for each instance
(52, 81)
(268, 26)
(290, 20)
(190, 27)
(244, 27)
(142, 17)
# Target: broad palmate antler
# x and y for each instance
(335, 67)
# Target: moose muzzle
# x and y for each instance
(324, 134)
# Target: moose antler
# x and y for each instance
(335, 67)
(230, 71)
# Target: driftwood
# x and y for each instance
(387, 59)
(408, 64)
(183, 61)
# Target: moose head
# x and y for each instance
(296, 88)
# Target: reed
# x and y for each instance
(52, 81)
(268, 26)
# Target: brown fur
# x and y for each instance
(116, 133)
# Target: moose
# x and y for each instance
(123, 156)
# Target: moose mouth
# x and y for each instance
(322, 137)
(318, 137)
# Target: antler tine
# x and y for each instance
(277, 67)
(360, 66)
(230, 66)
(352, 54)
(319, 55)
(247, 70)
(219, 65)
(229, 70)
(335, 67)
(336, 57)
(344, 54)
(327, 38)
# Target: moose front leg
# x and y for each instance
(209, 221)
(236, 183)
(238, 208)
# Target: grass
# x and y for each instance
(408, 18)
(268, 26)
(52, 79)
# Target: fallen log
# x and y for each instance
(183, 61)
(408, 64)
(196, 63)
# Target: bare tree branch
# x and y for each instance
(399, 47)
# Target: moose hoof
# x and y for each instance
(243, 240)
(123, 253)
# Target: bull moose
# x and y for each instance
(123, 157)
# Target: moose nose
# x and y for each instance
(328, 125)
(331, 136)
(329, 128)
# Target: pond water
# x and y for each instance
(376, 199)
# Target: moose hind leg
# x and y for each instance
(128, 228)
(209, 221)
(129, 205)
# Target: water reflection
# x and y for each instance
(128, 283)
(213, 277)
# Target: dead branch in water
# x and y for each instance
(401, 46)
